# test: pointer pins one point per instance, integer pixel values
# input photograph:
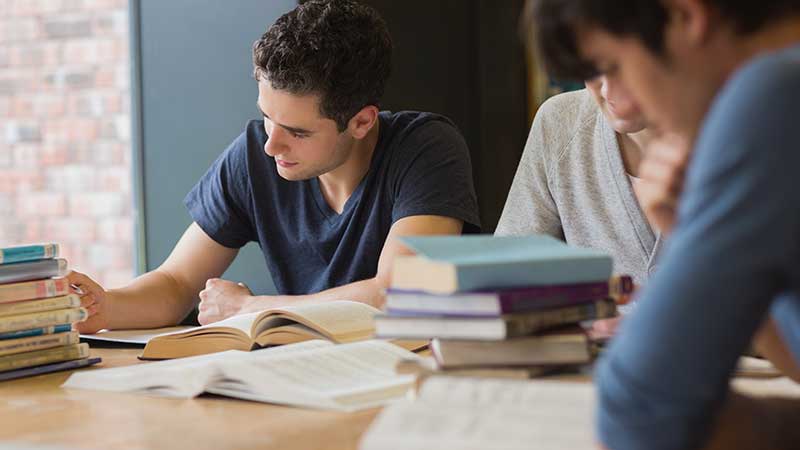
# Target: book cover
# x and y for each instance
(32, 270)
(506, 301)
(42, 319)
(32, 343)
(48, 368)
(447, 264)
(30, 290)
(23, 253)
(60, 328)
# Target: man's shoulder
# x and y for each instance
(417, 125)
(568, 111)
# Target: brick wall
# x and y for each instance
(65, 153)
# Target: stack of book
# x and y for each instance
(505, 305)
(37, 311)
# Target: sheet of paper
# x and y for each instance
(346, 377)
(473, 413)
(131, 336)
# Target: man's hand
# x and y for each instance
(662, 172)
(93, 298)
(222, 299)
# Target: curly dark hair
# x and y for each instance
(555, 23)
(339, 50)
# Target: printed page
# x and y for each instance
(182, 377)
(472, 413)
(339, 318)
(241, 322)
(345, 377)
(132, 336)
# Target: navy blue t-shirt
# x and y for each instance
(420, 166)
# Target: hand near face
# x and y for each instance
(222, 299)
(662, 172)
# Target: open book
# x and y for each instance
(317, 374)
(339, 321)
(475, 414)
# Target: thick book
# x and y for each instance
(507, 301)
(337, 321)
(48, 368)
(29, 290)
(32, 252)
(32, 343)
(489, 328)
(47, 356)
(45, 304)
(33, 270)
(315, 374)
(569, 346)
(42, 319)
(480, 414)
(448, 264)
(60, 328)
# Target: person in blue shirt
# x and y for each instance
(324, 182)
(723, 78)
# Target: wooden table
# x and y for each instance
(37, 411)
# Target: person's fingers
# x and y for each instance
(88, 300)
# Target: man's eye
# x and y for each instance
(299, 136)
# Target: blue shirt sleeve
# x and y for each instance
(218, 203)
(734, 251)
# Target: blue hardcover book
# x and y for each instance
(24, 253)
(48, 368)
(447, 264)
(37, 331)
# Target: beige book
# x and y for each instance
(14, 292)
(315, 374)
(33, 343)
(45, 304)
(338, 321)
(42, 319)
(47, 356)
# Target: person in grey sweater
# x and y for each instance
(577, 179)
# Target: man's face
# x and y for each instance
(617, 105)
(304, 144)
(673, 90)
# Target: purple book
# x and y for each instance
(47, 368)
(506, 301)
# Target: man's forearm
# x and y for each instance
(152, 300)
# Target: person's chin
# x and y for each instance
(624, 126)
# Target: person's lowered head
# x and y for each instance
(724, 77)
(324, 182)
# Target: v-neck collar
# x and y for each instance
(648, 239)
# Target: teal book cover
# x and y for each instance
(485, 261)
(24, 253)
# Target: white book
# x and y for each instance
(478, 414)
(315, 374)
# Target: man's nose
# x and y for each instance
(275, 142)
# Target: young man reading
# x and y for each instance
(724, 75)
(325, 183)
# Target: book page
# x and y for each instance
(346, 377)
(344, 320)
(473, 413)
(242, 322)
(132, 336)
(182, 377)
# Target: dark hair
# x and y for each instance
(337, 49)
(555, 24)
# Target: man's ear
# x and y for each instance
(692, 20)
(363, 121)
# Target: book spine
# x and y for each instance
(618, 288)
(48, 368)
(526, 324)
(39, 357)
(42, 319)
(28, 253)
(46, 304)
(33, 343)
(32, 270)
(578, 270)
(33, 289)
(60, 328)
